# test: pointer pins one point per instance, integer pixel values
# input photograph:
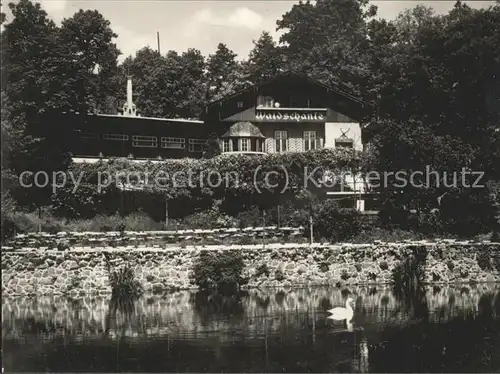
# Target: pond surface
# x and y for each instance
(444, 330)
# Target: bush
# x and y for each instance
(394, 235)
(408, 276)
(450, 265)
(484, 259)
(279, 275)
(219, 270)
(63, 245)
(448, 219)
(335, 224)
(211, 218)
(384, 265)
(262, 270)
(122, 281)
(480, 217)
(496, 261)
(22, 222)
(25, 222)
(249, 218)
(139, 222)
(8, 227)
(495, 237)
(121, 228)
(345, 275)
(247, 240)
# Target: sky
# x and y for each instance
(203, 24)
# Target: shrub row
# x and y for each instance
(329, 222)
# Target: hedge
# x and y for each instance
(185, 183)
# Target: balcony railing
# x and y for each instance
(291, 146)
(285, 109)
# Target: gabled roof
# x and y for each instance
(296, 75)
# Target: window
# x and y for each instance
(265, 101)
(196, 145)
(309, 140)
(244, 145)
(226, 145)
(140, 141)
(173, 143)
(239, 104)
(117, 137)
(344, 142)
(89, 135)
(259, 145)
(281, 140)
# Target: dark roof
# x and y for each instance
(243, 130)
(293, 74)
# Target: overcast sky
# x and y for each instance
(203, 24)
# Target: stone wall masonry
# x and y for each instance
(81, 271)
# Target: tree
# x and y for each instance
(437, 78)
(327, 40)
(192, 84)
(237, 80)
(220, 67)
(87, 43)
(12, 139)
(151, 78)
(3, 16)
(265, 59)
(169, 86)
(50, 70)
(33, 90)
(211, 148)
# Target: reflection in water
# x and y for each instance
(408, 283)
(259, 331)
(121, 310)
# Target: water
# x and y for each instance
(448, 330)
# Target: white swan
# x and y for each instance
(340, 314)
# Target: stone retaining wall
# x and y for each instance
(82, 271)
(113, 239)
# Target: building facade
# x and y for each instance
(290, 113)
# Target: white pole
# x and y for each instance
(264, 229)
(311, 237)
(166, 214)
